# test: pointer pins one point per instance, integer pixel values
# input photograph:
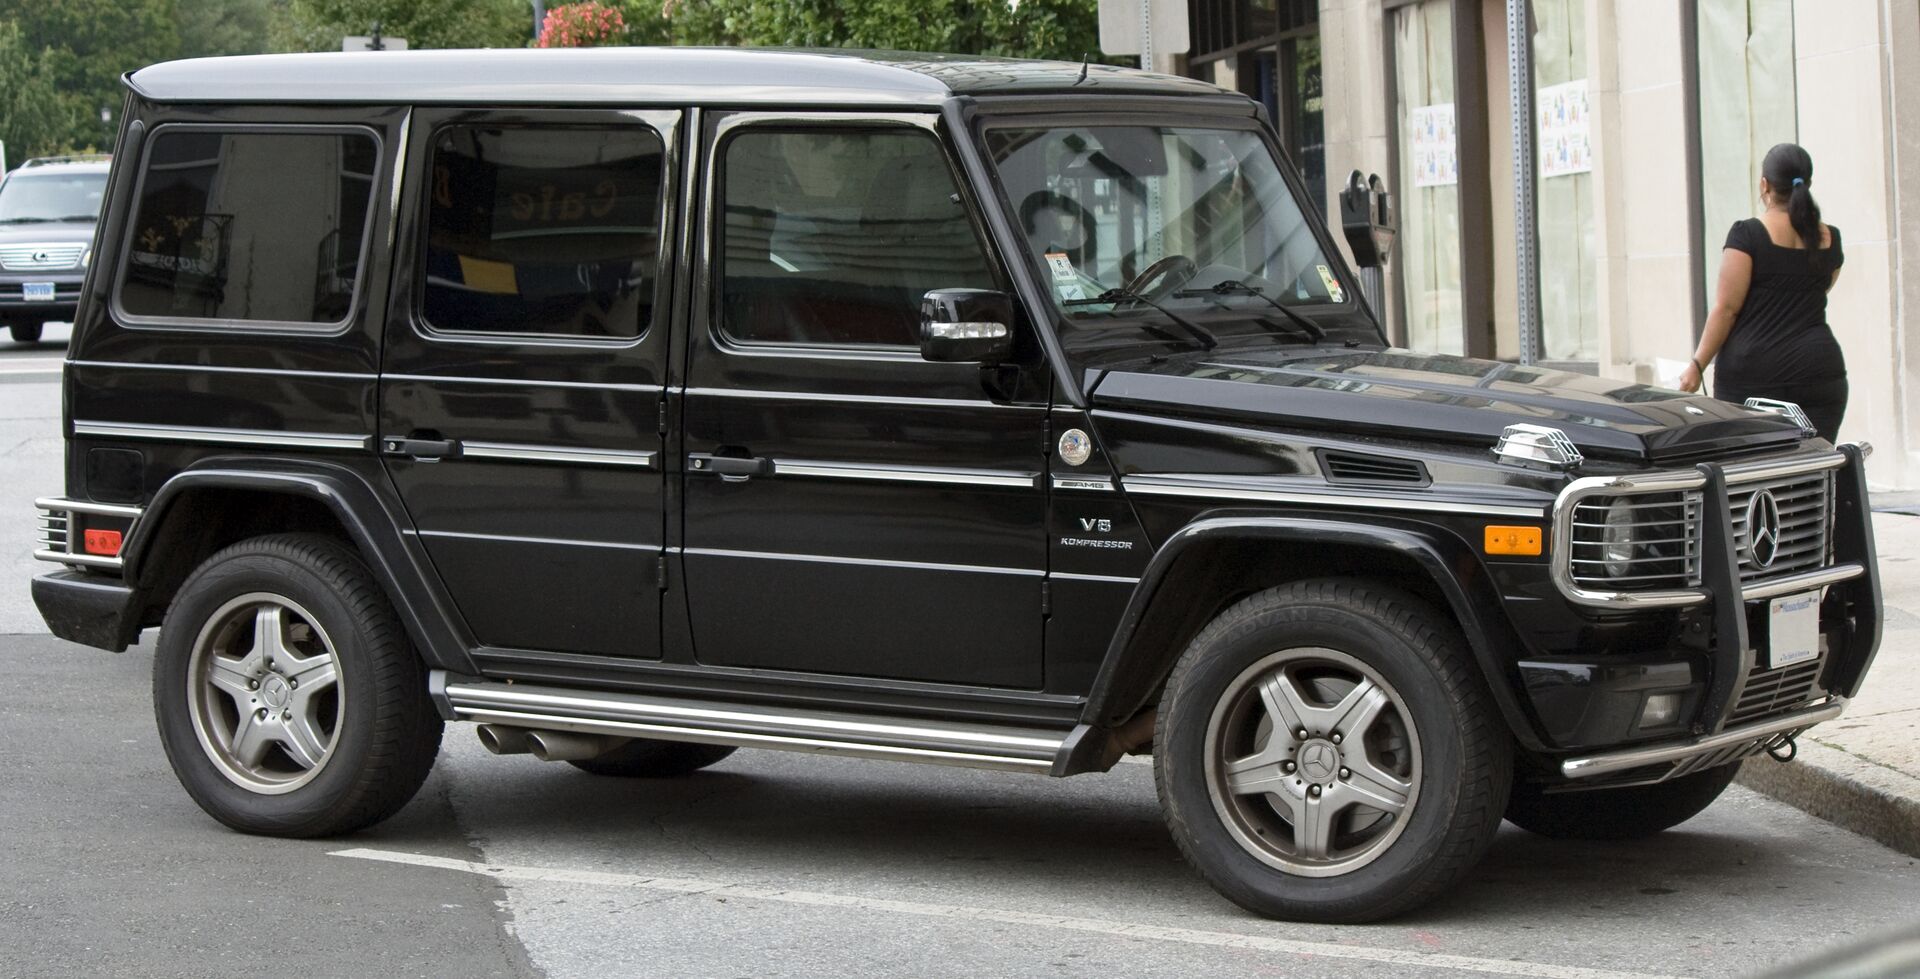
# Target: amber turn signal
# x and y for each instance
(105, 543)
(1513, 540)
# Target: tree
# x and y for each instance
(1059, 29)
(210, 28)
(31, 123)
(85, 46)
(586, 24)
(319, 25)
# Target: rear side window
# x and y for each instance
(258, 226)
(833, 236)
(543, 230)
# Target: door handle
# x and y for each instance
(424, 449)
(731, 468)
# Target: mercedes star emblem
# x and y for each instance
(1763, 529)
(1318, 760)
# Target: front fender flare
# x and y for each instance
(371, 520)
(1132, 670)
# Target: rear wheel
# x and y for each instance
(1325, 752)
(288, 698)
(641, 758)
(1617, 814)
(25, 331)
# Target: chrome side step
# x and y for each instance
(999, 747)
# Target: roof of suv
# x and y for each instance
(62, 164)
(635, 75)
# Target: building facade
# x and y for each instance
(1651, 117)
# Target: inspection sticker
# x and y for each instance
(1334, 291)
(1066, 282)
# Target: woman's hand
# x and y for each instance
(1690, 379)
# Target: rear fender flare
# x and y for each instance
(370, 521)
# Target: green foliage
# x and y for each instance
(84, 46)
(1060, 29)
(319, 25)
(30, 114)
(210, 28)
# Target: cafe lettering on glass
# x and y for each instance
(490, 200)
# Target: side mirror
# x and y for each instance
(966, 326)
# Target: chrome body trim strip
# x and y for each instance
(517, 452)
(210, 369)
(874, 399)
(1560, 562)
(523, 382)
(874, 562)
(1098, 484)
(902, 474)
(831, 732)
(1214, 487)
(1113, 578)
(511, 538)
(1587, 766)
(222, 436)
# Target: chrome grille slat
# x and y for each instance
(56, 256)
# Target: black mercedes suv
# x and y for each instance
(48, 208)
(636, 406)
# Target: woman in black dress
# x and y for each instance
(1769, 320)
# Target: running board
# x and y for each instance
(994, 746)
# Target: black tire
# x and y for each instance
(642, 758)
(381, 733)
(25, 332)
(1617, 814)
(1454, 760)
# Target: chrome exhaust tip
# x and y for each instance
(562, 746)
(503, 740)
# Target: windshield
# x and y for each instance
(1137, 224)
(36, 197)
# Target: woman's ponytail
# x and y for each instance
(1789, 171)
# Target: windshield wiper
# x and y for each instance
(81, 217)
(25, 220)
(1200, 336)
(1233, 287)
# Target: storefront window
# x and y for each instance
(1569, 308)
(1428, 251)
(1747, 105)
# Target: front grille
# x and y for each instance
(1771, 692)
(41, 257)
(1805, 505)
(1664, 548)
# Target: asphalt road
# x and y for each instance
(782, 865)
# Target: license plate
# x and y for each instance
(37, 292)
(1793, 629)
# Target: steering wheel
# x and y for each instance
(1163, 268)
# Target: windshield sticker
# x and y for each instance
(1066, 281)
(1334, 291)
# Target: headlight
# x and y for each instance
(86, 258)
(1616, 539)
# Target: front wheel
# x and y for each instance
(1325, 752)
(1617, 814)
(28, 332)
(288, 698)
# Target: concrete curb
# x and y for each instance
(1844, 789)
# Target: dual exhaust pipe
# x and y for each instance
(547, 745)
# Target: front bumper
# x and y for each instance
(1736, 708)
(65, 301)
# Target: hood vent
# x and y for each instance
(1354, 467)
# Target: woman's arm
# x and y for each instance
(1736, 274)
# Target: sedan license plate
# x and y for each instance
(36, 292)
(1793, 629)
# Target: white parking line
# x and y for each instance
(1120, 929)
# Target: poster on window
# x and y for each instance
(1436, 161)
(1563, 129)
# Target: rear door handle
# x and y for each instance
(428, 449)
(730, 468)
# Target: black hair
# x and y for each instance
(1789, 171)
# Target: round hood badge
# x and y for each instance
(1075, 447)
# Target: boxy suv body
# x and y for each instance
(642, 405)
(48, 209)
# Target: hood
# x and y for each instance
(1399, 393)
(50, 232)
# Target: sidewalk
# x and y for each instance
(1862, 771)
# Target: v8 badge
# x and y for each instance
(1075, 447)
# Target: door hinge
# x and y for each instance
(660, 571)
(1046, 598)
(663, 414)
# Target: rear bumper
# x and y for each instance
(90, 609)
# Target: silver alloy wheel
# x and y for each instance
(1312, 762)
(264, 693)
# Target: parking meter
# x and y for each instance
(1367, 216)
